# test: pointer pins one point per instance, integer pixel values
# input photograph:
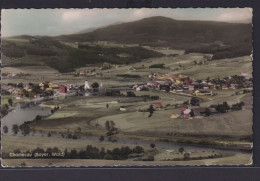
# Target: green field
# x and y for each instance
(90, 114)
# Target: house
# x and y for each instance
(11, 74)
(246, 75)
(137, 85)
(224, 87)
(203, 92)
(63, 89)
(41, 84)
(178, 90)
(158, 105)
(122, 108)
(18, 97)
(186, 112)
(142, 88)
(185, 87)
(82, 72)
(53, 86)
(233, 86)
(191, 87)
(205, 87)
(153, 84)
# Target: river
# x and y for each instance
(19, 115)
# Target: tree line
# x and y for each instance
(90, 152)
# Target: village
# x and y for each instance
(178, 84)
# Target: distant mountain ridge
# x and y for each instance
(95, 28)
(162, 31)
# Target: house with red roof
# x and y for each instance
(185, 112)
(158, 105)
(63, 89)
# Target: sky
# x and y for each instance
(53, 22)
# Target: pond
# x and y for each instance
(21, 114)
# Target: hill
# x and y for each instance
(64, 58)
(162, 31)
(223, 40)
(93, 29)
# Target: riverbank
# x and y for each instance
(163, 154)
(235, 160)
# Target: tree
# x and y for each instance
(95, 85)
(186, 156)
(20, 85)
(208, 79)
(225, 106)
(222, 108)
(207, 112)
(78, 130)
(101, 138)
(5, 107)
(181, 150)
(36, 89)
(25, 129)
(110, 127)
(151, 110)
(10, 102)
(15, 129)
(5, 128)
(152, 145)
(107, 125)
(138, 149)
(38, 117)
(46, 85)
(194, 101)
(195, 62)
(130, 94)
(192, 113)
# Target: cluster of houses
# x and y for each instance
(178, 83)
(9, 74)
(46, 88)
(33, 90)
(196, 111)
(89, 73)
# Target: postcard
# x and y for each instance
(126, 87)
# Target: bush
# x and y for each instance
(186, 156)
(129, 76)
(5, 129)
(152, 145)
(69, 136)
(25, 129)
(108, 157)
(138, 149)
(15, 129)
(101, 138)
(130, 94)
(238, 106)
(155, 97)
(159, 65)
(149, 158)
(221, 108)
(181, 150)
